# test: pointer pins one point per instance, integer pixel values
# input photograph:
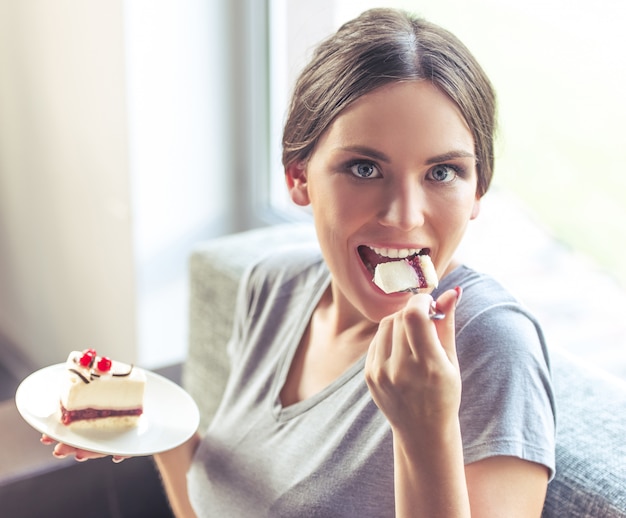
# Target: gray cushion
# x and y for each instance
(591, 442)
(591, 405)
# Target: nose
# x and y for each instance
(405, 207)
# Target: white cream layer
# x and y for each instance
(104, 392)
(397, 276)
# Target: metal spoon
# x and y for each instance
(433, 312)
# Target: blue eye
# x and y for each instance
(364, 170)
(443, 173)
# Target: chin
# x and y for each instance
(380, 305)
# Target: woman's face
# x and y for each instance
(395, 170)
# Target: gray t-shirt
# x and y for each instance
(331, 455)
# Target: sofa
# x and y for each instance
(591, 405)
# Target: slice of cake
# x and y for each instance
(413, 273)
(101, 393)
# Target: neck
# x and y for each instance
(343, 323)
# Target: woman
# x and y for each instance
(347, 401)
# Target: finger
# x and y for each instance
(63, 450)
(447, 303)
(418, 327)
(47, 440)
(401, 338)
(379, 347)
(376, 353)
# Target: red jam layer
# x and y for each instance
(71, 416)
(415, 263)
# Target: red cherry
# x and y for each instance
(87, 358)
(104, 364)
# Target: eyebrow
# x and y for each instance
(378, 155)
(450, 155)
(368, 151)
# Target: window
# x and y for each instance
(558, 69)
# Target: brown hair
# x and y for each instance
(379, 47)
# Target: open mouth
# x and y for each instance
(372, 256)
(401, 270)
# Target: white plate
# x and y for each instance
(170, 416)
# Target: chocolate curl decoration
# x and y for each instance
(122, 374)
(79, 374)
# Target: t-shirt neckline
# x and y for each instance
(284, 413)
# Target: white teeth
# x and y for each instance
(396, 253)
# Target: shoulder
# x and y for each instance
(281, 275)
(287, 267)
(507, 403)
(487, 308)
(499, 340)
(482, 290)
(273, 287)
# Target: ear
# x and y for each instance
(475, 208)
(297, 185)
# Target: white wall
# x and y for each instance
(113, 163)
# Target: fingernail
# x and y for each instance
(459, 294)
(80, 459)
(59, 455)
(117, 459)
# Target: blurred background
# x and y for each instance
(131, 130)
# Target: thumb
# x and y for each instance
(447, 303)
